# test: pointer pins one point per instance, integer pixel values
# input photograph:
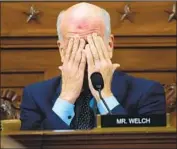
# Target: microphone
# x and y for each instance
(98, 84)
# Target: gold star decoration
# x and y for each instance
(127, 14)
(172, 13)
(32, 14)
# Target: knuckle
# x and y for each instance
(81, 68)
(73, 52)
(74, 49)
(92, 47)
(79, 49)
(77, 59)
(69, 47)
(76, 43)
(67, 54)
(75, 46)
(95, 56)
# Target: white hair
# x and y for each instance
(59, 23)
(106, 19)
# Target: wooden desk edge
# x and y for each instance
(122, 130)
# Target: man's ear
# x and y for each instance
(61, 50)
(111, 45)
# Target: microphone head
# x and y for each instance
(97, 81)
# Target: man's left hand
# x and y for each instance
(98, 60)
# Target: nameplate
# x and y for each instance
(132, 121)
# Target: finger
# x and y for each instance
(60, 67)
(82, 63)
(103, 48)
(93, 48)
(82, 44)
(89, 56)
(78, 55)
(68, 50)
(75, 48)
(77, 59)
(115, 66)
(98, 46)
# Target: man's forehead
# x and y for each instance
(82, 28)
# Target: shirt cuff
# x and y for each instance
(110, 101)
(64, 110)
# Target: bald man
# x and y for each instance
(69, 101)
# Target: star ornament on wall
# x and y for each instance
(172, 13)
(32, 14)
(127, 14)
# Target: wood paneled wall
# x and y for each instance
(145, 48)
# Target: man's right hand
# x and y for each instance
(73, 70)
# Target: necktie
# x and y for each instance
(84, 116)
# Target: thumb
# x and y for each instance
(115, 66)
(60, 67)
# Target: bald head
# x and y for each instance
(82, 19)
(83, 9)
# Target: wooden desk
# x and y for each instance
(107, 138)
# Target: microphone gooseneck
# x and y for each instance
(98, 84)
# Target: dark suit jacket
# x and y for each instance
(135, 95)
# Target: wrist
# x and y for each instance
(68, 98)
(104, 94)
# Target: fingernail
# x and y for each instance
(89, 36)
(94, 34)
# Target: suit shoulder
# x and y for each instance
(46, 84)
(143, 84)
